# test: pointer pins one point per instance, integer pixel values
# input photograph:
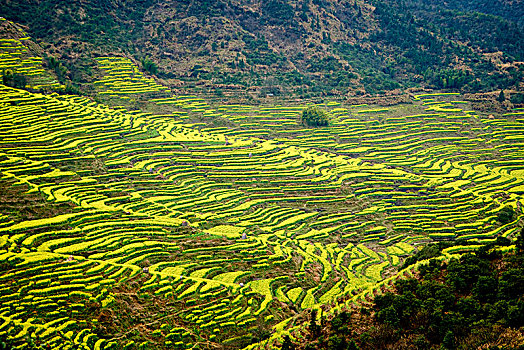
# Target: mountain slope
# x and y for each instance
(473, 301)
(508, 9)
(310, 48)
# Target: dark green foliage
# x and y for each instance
(462, 304)
(13, 79)
(517, 98)
(502, 241)
(56, 66)
(427, 252)
(411, 43)
(314, 116)
(455, 298)
(421, 343)
(506, 9)
(149, 66)
(277, 11)
(498, 33)
(337, 342)
(449, 340)
(72, 89)
(506, 214)
(485, 289)
(520, 241)
(389, 315)
(410, 25)
(516, 314)
(352, 345)
(287, 344)
(314, 328)
(501, 98)
(258, 52)
(339, 322)
(4, 343)
(511, 284)
(464, 273)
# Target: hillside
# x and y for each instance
(246, 174)
(508, 9)
(277, 47)
(471, 302)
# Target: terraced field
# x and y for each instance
(17, 57)
(123, 80)
(188, 236)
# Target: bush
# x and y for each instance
(288, 344)
(277, 11)
(149, 66)
(517, 98)
(314, 116)
(506, 215)
(337, 342)
(13, 79)
(520, 241)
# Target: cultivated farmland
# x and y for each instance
(176, 233)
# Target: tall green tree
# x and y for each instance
(501, 97)
(314, 116)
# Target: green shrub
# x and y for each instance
(314, 116)
(13, 79)
(506, 214)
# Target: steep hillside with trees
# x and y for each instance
(306, 47)
(472, 302)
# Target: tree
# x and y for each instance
(314, 116)
(13, 79)
(314, 328)
(149, 66)
(337, 342)
(517, 98)
(57, 66)
(277, 11)
(287, 344)
(506, 214)
(501, 97)
(520, 241)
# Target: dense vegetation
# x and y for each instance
(472, 301)
(315, 116)
(310, 48)
(511, 10)
(12, 79)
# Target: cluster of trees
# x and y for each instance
(425, 41)
(277, 12)
(149, 66)
(13, 79)
(57, 66)
(462, 304)
(506, 214)
(314, 116)
(513, 11)
(517, 98)
(473, 296)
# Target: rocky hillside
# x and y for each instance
(274, 47)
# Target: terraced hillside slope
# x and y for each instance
(20, 56)
(162, 230)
